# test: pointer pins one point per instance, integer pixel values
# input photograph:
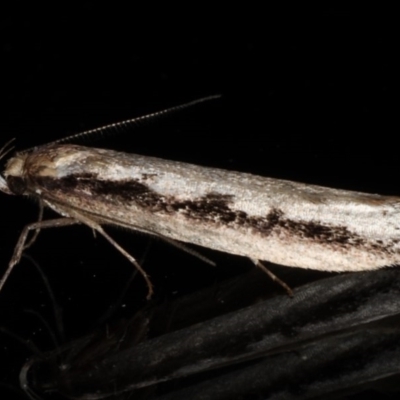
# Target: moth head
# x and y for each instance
(13, 181)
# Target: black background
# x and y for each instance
(307, 95)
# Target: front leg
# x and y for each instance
(20, 246)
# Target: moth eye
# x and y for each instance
(16, 184)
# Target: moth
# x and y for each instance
(288, 223)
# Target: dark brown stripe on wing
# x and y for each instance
(215, 208)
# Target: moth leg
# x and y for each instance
(100, 230)
(184, 248)
(20, 246)
(37, 231)
(260, 265)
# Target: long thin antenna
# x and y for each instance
(134, 121)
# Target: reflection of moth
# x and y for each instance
(315, 344)
(284, 222)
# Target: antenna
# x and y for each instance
(129, 123)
